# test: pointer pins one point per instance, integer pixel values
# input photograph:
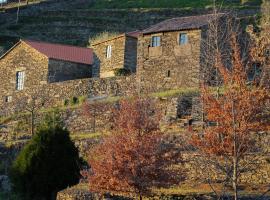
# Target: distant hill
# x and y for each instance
(74, 21)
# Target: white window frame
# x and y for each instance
(109, 51)
(8, 99)
(156, 41)
(181, 41)
(20, 77)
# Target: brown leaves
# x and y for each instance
(137, 115)
(240, 111)
(132, 164)
(135, 157)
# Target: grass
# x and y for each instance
(81, 136)
(205, 189)
(102, 36)
(105, 4)
(176, 92)
(22, 4)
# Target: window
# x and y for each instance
(267, 52)
(183, 38)
(109, 51)
(8, 99)
(20, 80)
(169, 73)
(155, 41)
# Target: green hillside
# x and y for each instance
(75, 21)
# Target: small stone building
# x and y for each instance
(119, 52)
(31, 66)
(170, 53)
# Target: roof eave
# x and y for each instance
(175, 30)
(13, 47)
(108, 40)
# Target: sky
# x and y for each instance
(1, 1)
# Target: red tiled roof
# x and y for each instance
(181, 23)
(63, 52)
(134, 33)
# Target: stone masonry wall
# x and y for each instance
(103, 66)
(131, 53)
(63, 70)
(113, 86)
(22, 58)
(170, 65)
(52, 94)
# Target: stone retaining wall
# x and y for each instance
(113, 86)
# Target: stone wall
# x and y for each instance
(124, 55)
(52, 94)
(170, 65)
(36, 87)
(103, 66)
(63, 70)
(131, 53)
(113, 86)
(258, 169)
(22, 58)
(79, 192)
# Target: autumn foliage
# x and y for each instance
(238, 112)
(235, 115)
(134, 158)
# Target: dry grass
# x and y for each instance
(102, 37)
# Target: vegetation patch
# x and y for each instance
(176, 92)
(101, 4)
(102, 37)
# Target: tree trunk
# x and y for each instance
(18, 12)
(235, 155)
(235, 182)
(94, 121)
(140, 197)
(32, 123)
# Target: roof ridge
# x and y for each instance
(166, 20)
(182, 20)
(58, 44)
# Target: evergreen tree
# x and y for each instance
(48, 163)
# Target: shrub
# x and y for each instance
(122, 72)
(66, 102)
(74, 100)
(101, 37)
(48, 163)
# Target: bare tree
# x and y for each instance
(38, 98)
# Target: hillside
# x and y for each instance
(74, 21)
(101, 4)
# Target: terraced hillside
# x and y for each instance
(74, 21)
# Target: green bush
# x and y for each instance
(66, 102)
(47, 164)
(122, 72)
(74, 100)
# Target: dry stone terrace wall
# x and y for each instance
(113, 86)
(170, 65)
(53, 94)
(258, 173)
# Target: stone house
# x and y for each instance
(170, 53)
(31, 66)
(119, 52)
